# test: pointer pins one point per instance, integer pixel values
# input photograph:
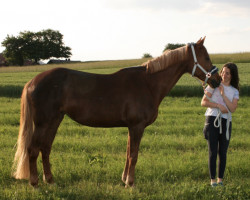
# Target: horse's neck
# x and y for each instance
(162, 82)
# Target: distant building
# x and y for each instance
(55, 61)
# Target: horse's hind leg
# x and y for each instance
(33, 154)
(42, 140)
(46, 148)
(47, 175)
(33, 151)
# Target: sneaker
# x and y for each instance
(214, 184)
(220, 184)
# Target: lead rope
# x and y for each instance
(218, 118)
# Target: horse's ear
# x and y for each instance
(201, 41)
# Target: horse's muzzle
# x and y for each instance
(215, 83)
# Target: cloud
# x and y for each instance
(225, 9)
(210, 7)
(237, 3)
(222, 31)
(153, 5)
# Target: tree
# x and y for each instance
(172, 46)
(146, 55)
(13, 52)
(35, 46)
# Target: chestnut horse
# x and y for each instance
(128, 98)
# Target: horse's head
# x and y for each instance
(201, 65)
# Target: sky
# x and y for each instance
(126, 29)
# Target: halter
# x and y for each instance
(196, 64)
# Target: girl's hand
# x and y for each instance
(221, 88)
(222, 108)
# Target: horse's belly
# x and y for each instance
(98, 116)
(102, 123)
(110, 111)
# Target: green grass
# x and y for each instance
(87, 163)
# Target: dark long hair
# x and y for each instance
(234, 74)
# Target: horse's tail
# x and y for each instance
(21, 166)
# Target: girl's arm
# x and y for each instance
(231, 105)
(206, 103)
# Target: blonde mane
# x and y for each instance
(168, 58)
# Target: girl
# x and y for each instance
(220, 103)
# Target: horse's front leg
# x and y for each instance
(125, 171)
(134, 139)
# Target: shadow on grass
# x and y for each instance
(197, 91)
(14, 91)
(8, 181)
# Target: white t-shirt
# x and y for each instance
(230, 92)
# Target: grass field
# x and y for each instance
(243, 57)
(87, 163)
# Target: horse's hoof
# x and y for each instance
(124, 180)
(130, 185)
(48, 180)
(51, 181)
(34, 184)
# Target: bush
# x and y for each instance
(171, 46)
(146, 55)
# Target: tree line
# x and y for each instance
(34, 46)
(43, 45)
